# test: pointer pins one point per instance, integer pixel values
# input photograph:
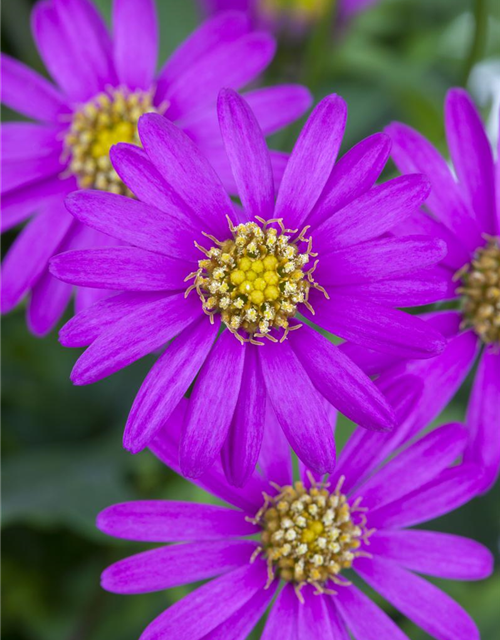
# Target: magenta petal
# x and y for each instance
(425, 287)
(483, 417)
(426, 605)
(56, 52)
(175, 565)
(420, 222)
(275, 460)
(140, 175)
(379, 260)
(339, 628)
(241, 623)
(372, 214)
(282, 620)
(279, 161)
(25, 140)
(472, 156)
(275, 107)
(208, 419)
(135, 223)
(28, 256)
(25, 91)
(377, 327)
(242, 446)
(411, 153)
(311, 161)
(247, 151)
(299, 407)
(20, 204)
(171, 521)
(313, 618)
(17, 173)
(88, 324)
(365, 619)
(447, 372)
(166, 383)
(148, 328)
(166, 448)
(365, 449)
(135, 42)
(86, 297)
(498, 181)
(415, 466)
(225, 28)
(230, 64)
(435, 554)
(121, 268)
(49, 296)
(186, 170)
(89, 41)
(49, 299)
(340, 381)
(353, 174)
(203, 610)
(450, 490)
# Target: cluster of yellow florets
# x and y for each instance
(105, 120)
(480, 292)
(256, 279)
(308, 535)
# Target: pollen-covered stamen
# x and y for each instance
(257, 279)
(310, 535)
(107, 119)
(480, 292)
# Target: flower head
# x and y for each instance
(251, 271)
(463, 210)
(293, 15)
(194, 213)
(103, 83)
(306, 536)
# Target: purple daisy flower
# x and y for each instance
(104, 84)
(464, 211)
(293, 12)
(253, 268)
(305, 536)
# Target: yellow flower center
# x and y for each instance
(95, 127)
(257, 279)
(309, 535)
(480, 291)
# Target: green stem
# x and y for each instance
(479, 40)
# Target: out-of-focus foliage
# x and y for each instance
(62, 455)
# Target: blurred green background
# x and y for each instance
(62, 455)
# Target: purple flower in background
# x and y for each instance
(309, 533)
(292, 12)
(104, 84)
(464, 211)
(253, 268)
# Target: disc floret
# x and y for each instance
(480, 292)
(310, 535)
(108, 118)
(257, 279)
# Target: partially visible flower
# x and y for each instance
(293, 15)
(315, 249)
(304, 536)
(464, 211)
(105, 82)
